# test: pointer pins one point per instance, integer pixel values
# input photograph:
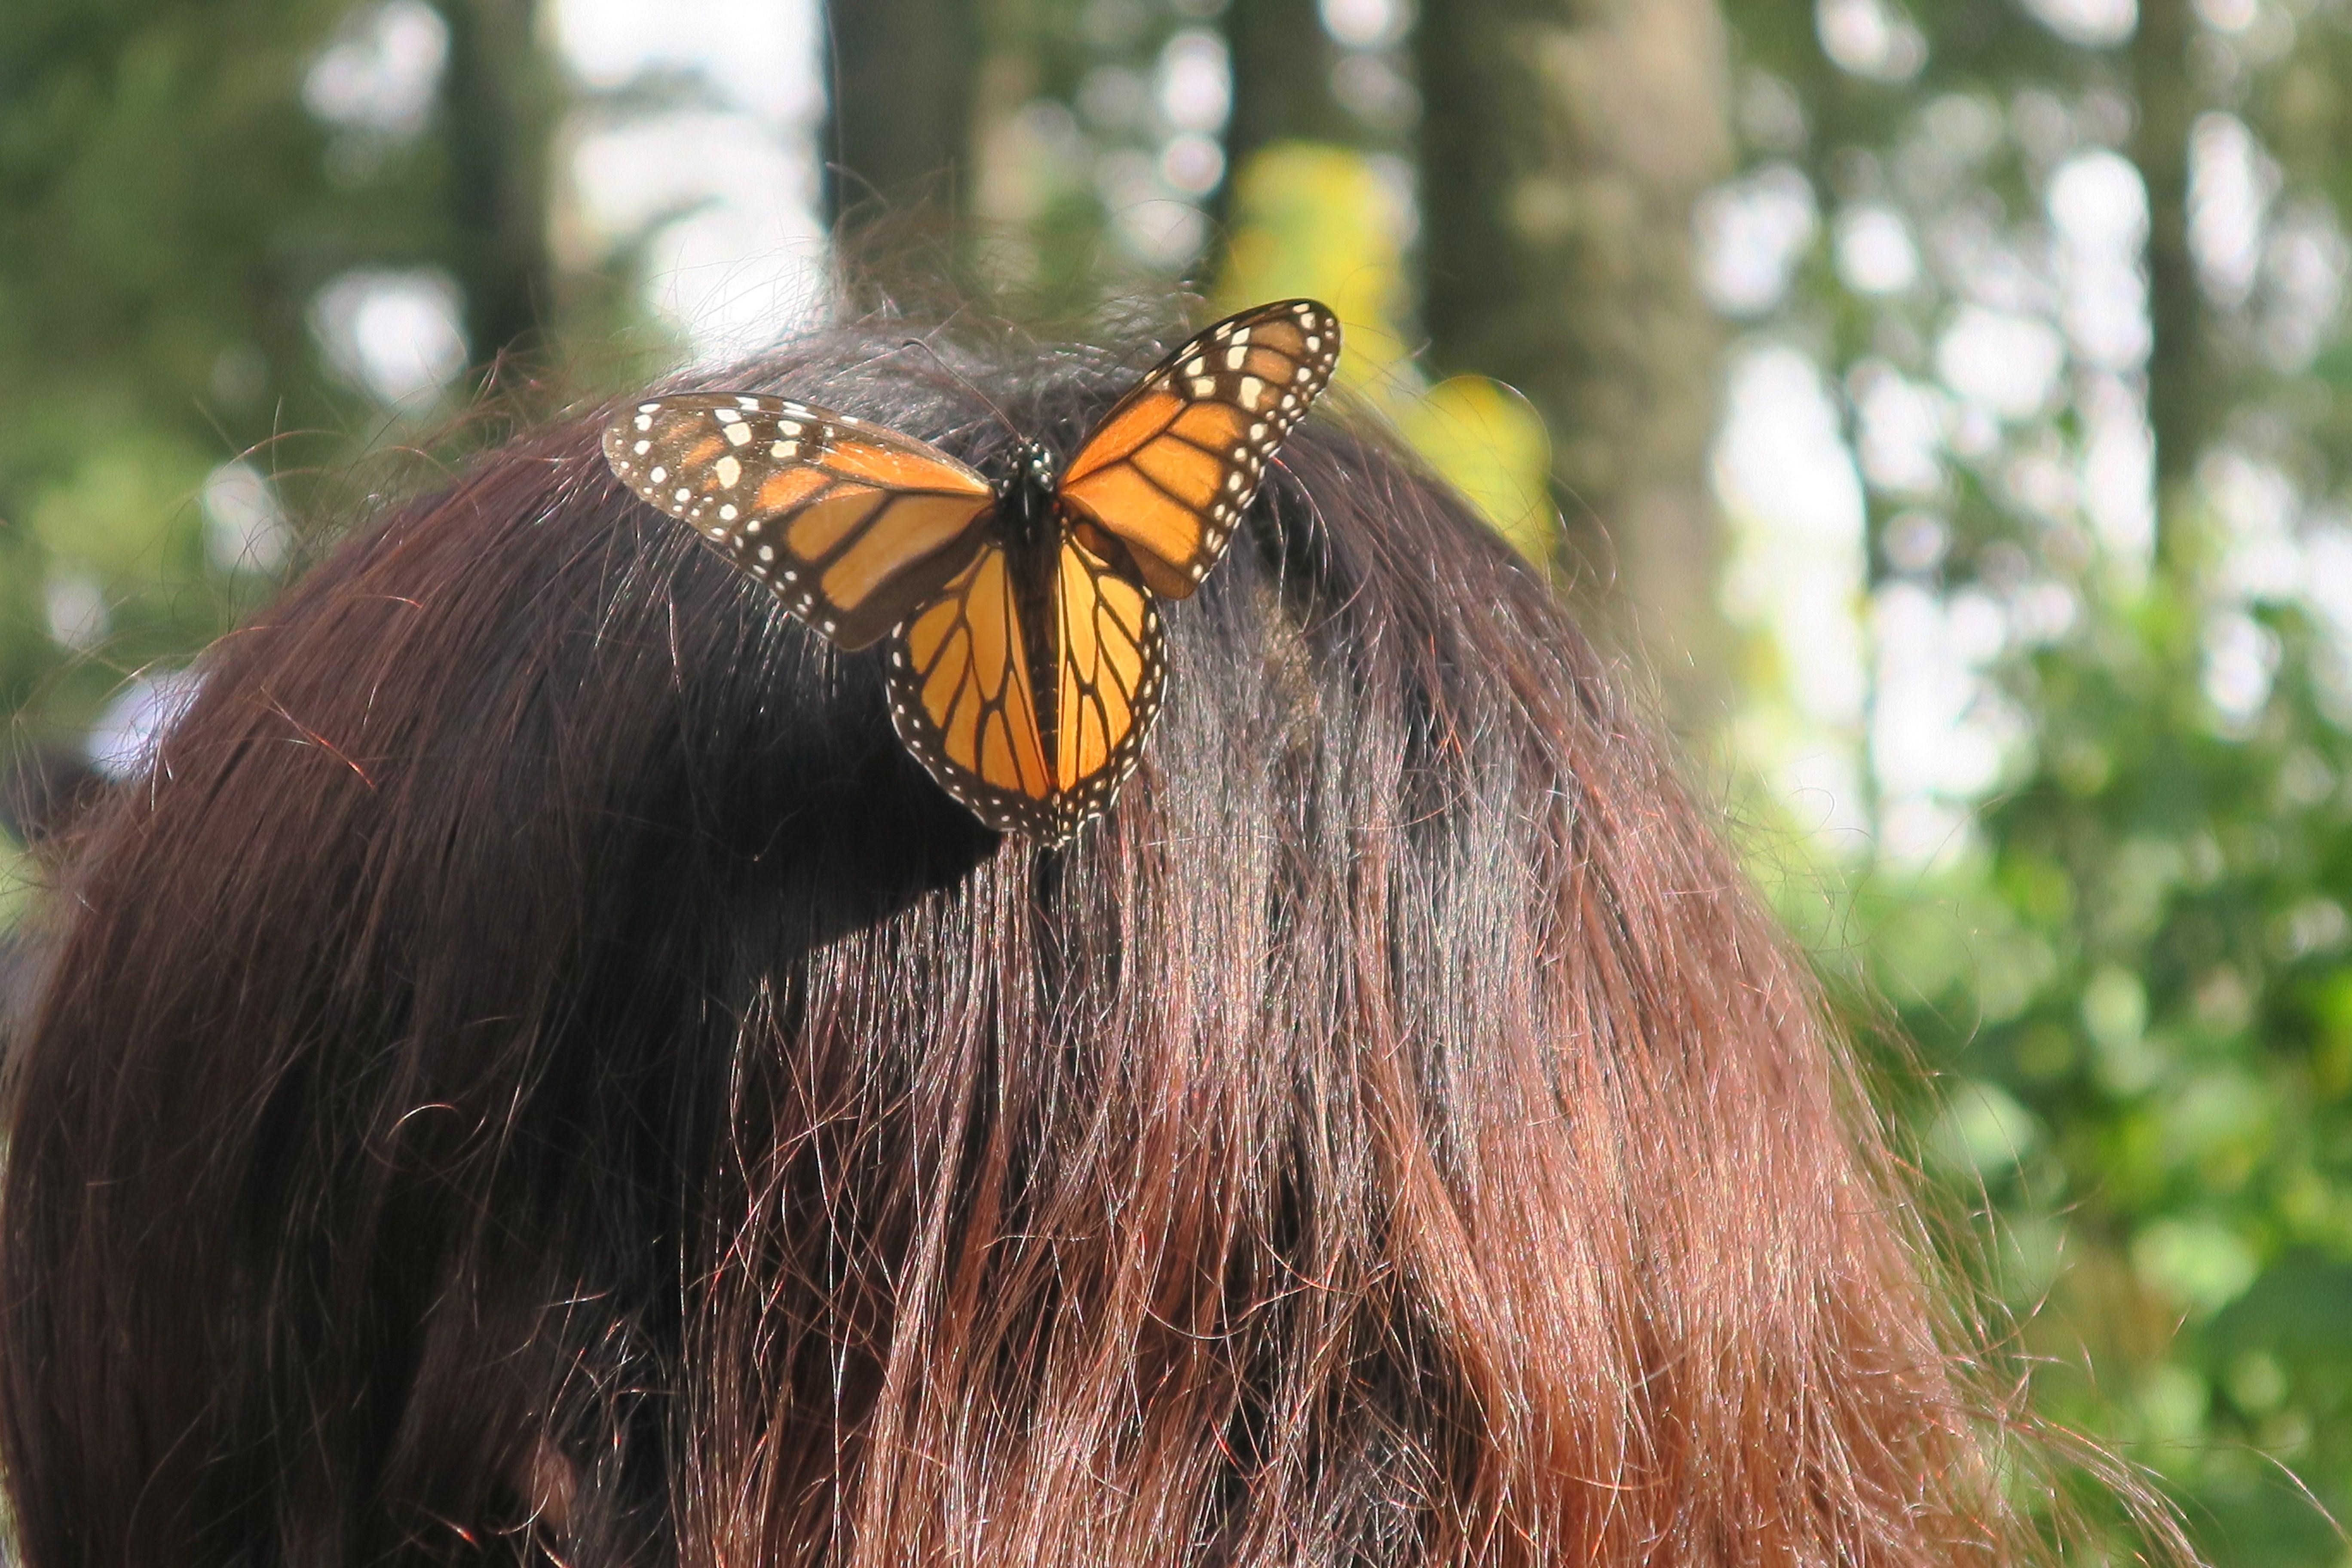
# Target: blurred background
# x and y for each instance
(1941, 405)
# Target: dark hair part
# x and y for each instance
(537, 1073)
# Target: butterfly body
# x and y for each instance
(1030, 527)
(1026, 658)
(1033, 529)
(1028, 520)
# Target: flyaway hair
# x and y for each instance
(536, 1073)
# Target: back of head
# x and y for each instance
(537, 1072)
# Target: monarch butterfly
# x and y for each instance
(1026, 661)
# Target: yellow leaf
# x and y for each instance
(1318, 221)
(1487, 441)
(1322, 221)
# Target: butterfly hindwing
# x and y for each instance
(853, 526)
(1172, 468)
(1110, 665)
(964, 697)
(966, 673)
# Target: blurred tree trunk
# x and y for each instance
(2182, 394)
(1562, 144)
(1282, 78)
(902, 79)
(500, 105)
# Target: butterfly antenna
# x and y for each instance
(969, 386)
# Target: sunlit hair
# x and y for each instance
(537, 1073)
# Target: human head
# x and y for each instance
(535, 1067)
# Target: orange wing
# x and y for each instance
(852, 525)
(1110, 666)
(964, 690)
(962, 696)
(1172, 468)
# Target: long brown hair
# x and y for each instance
(534, 1072)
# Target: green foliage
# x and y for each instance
(169, 210)
(2133, 973)
(2161, 982)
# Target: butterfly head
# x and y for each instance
(1024, 496)
(1034, 466)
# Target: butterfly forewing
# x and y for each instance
(852, 525)
(1174, 466)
